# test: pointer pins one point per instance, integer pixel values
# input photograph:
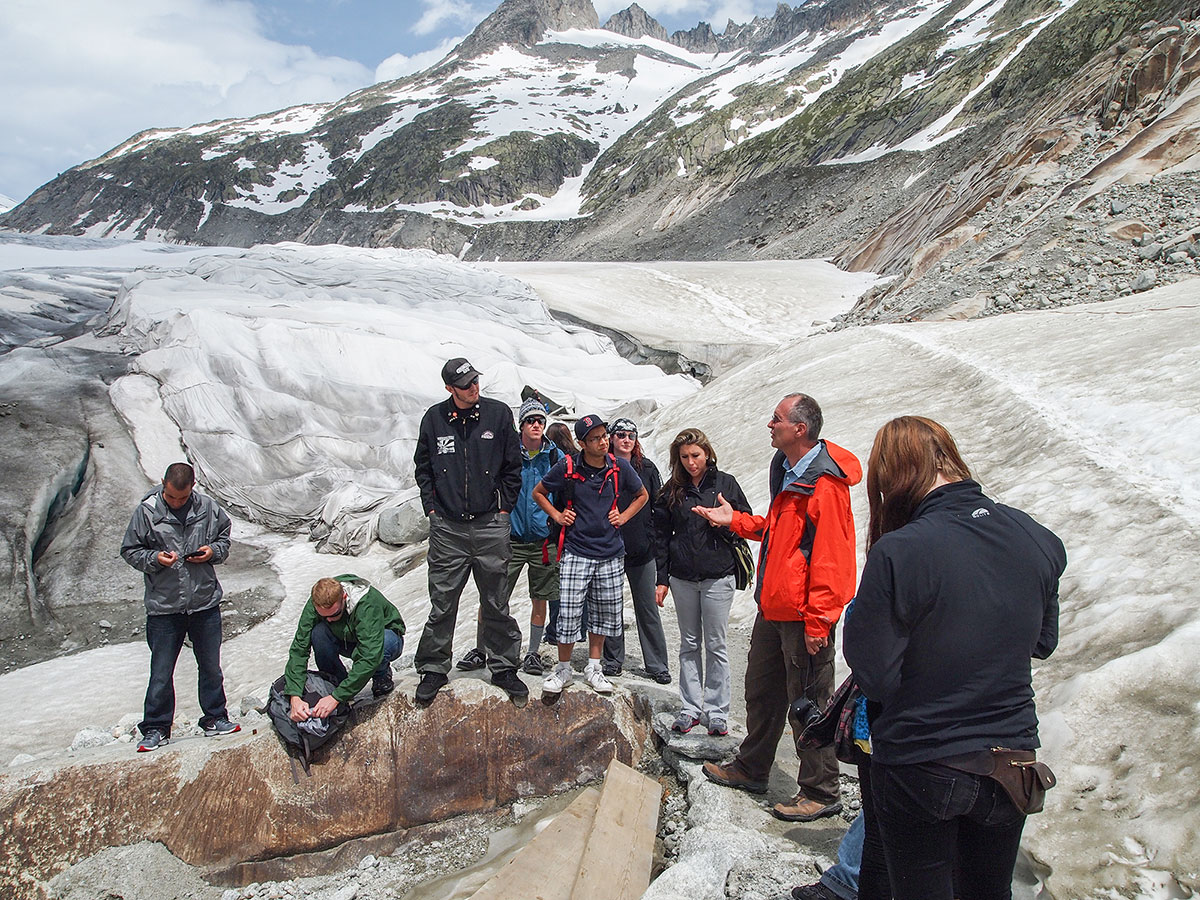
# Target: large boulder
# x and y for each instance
(226, 806)
(405, 524)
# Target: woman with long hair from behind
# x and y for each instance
(958, 593)
(696, 563)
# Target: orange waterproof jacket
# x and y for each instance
(806, 565)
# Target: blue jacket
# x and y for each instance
(528, 520)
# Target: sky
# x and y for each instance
(78, 77)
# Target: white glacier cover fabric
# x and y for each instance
(298, 375)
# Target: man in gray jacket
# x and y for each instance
(174, 538)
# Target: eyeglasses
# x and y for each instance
(533, 420)
(625, 435)
(598, 439)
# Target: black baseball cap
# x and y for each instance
(458, 372)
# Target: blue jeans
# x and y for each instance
(328, 651)
(842, 878)
(164, 635)
(946, 833)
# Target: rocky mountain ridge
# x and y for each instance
(899, 138)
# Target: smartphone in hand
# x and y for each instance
(195, 554)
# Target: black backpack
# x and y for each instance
(299, 743)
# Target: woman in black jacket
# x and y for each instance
(638, 535)
(695, 560)
(957, 594)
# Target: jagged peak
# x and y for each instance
(524, 22)
(635, 22)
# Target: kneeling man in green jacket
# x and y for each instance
(344, 616)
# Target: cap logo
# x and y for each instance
(465, 367)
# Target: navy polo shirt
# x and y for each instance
(592, 535)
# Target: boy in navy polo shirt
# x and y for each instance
(592, 563)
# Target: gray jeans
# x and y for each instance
(703, 611)
(642, 581)
(457, 549)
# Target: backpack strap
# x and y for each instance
(615, 473)
(569, 503)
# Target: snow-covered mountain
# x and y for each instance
(6, 203)
(891, 136)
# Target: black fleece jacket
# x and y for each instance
(468, 462)
(638, 532)
(949, 611)
(688, 547)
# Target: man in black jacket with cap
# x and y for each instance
(468, 467)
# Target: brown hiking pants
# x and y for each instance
(778, 670)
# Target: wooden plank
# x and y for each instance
(545, 868)
(620, 850)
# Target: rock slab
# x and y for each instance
(216, 804)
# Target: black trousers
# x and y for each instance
(946, 833)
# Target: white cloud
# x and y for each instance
(80, 76)
(443, 13)
(398, 65)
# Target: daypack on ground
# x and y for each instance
(301, 742)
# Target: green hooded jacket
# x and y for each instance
(368, 613)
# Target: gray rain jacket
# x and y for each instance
(184, 587)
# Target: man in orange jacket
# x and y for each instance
(806, 576)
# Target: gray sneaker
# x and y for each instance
(218, 727)
(152, 740)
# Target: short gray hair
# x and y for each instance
(806, 411)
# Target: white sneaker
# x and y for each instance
(560, 676)
(594, 675)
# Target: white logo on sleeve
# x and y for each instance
(980, 513)
(445, 444)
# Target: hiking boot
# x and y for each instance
(663, 677)
(594, 676)
(218, 727)
(684, 723)
(801, 809)
(431, 683)
(532, 664)
(510, 682)
(382, 684)
(732, 776)
(717, 726)
(609, 670)
(152, 740)
(475, 659)
(816, 891)
(558, 678)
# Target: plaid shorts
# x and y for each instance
(600, 582)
